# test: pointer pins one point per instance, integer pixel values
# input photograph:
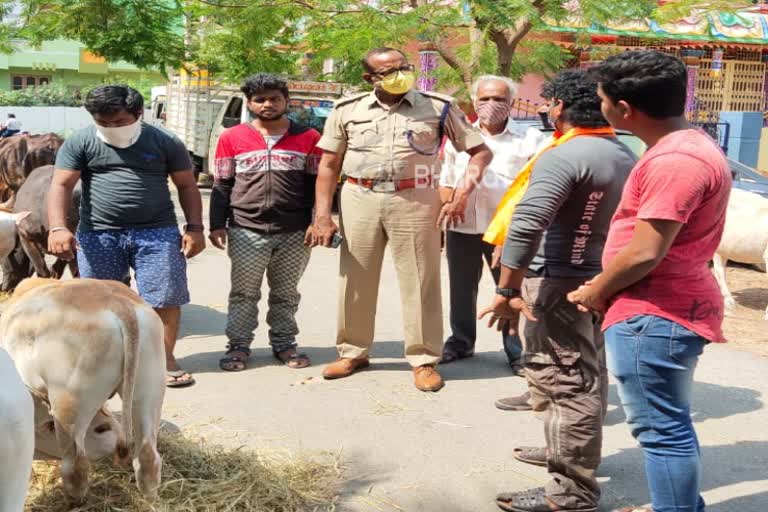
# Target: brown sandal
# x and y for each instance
(531, 455)
(296, 360)
(236, 358)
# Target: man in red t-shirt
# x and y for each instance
(261, 207)
(661, 302)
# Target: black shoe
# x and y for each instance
(518, 370)
(451, 353)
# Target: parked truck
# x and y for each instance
(198, 110)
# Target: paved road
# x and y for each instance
(450, 451)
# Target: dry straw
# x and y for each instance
(201, 477)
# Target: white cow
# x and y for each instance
(76, 343)
(8, 228)
(745, 238)
(100, 440)
(17, 438)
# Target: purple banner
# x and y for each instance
(690, 93)
(428, 61)
(765, 88)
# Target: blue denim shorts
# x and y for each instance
(154, 254)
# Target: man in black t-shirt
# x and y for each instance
(127, 217)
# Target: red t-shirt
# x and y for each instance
(683, 178)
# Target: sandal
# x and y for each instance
(178, 380)
(236, 358)
(531, 455)
(295, 360)
(532, 500)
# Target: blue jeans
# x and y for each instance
(653, 360)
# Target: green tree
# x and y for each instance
(237, 37)
(146, 33)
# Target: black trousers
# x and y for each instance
(465, 254)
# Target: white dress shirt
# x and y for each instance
(511, 150)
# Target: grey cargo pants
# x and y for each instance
(565, 367)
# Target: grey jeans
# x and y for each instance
(283, 257)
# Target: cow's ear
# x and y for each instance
(18, 217)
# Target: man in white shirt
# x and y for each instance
(512, 145)
(11, 127)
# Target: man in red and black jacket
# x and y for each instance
(261, 204)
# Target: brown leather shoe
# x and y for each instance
(426, 378)
(344, 367)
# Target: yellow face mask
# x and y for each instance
(399, 82)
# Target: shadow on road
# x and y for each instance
(201, 321)
(364, 490)
(710, 401)
(722, 465)
(752, 298)
(752, 502)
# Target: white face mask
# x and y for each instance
(120, 136)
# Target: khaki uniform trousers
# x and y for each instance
(406, 221)
(564, 356)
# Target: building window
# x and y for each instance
(19, 82)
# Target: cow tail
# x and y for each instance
(130, 327)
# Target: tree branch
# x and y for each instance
(508, 39)
(450, 57)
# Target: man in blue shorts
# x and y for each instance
(127, 217)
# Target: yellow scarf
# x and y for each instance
(497, 230)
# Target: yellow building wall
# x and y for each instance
(762, 160)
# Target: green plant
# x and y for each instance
(54, 94)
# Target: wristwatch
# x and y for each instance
(194, 228)
(509, 293)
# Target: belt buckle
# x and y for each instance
(384, 186)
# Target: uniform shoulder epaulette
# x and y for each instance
(351, 99)
(436, 95)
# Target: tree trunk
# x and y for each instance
(506, 42)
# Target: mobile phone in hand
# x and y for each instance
(336, 241)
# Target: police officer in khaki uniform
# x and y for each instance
(386, 144)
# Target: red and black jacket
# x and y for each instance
(266, 190)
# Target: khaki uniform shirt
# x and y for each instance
(394, 142)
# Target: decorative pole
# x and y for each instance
(692, 59)
(764, 106)
(428, 61)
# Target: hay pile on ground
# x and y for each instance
(198, 477)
